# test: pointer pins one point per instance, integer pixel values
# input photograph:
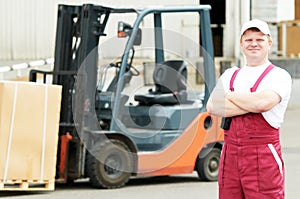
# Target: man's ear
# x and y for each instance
(270, 44)
(270, 41)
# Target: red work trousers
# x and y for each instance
(251, 165)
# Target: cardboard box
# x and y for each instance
(291, 43)
(297, 9)
(29, 124)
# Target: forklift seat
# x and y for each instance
(170, 84)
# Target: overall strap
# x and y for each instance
(267, 70)
(233, 78)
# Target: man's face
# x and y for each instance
(255, 46)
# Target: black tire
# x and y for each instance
(109, 165)
(207, 164)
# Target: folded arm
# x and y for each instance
(255, 102)
(234, 103)
(219, 105)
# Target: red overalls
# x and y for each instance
(251, 165)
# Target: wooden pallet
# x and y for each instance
(27, 185)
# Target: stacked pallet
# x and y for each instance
(27, 185)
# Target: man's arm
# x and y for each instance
(224, 109)
(256, 102)
(219, 105)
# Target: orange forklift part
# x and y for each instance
(64, 146)
(181, 155)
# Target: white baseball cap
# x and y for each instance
(256, 23)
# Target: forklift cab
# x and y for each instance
(155, 114)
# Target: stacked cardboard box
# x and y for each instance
(297, 9)
(289, 42)
(29, 123)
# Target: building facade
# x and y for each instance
(28, 27)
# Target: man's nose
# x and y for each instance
(254, 43)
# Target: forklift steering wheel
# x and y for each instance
(129, 67)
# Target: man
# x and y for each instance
(252, 101)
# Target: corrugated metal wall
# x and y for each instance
(27, 27)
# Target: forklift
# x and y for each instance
(114, 125)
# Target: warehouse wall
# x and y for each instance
(27, 29)
(28, 26)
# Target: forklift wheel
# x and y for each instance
(207, 166)
(110, 164)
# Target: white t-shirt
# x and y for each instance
(278, 80)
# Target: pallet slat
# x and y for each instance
(27, 185)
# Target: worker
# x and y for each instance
(252, 101)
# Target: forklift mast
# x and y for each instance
(77, 38)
